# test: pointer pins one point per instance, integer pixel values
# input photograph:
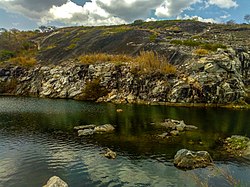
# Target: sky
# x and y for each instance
(30, 14)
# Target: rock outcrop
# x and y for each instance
(214, 79)
(56, 182)
(186, 159)
(86, 130)
(110, 154)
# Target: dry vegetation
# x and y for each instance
(23, 61)
(145, 62)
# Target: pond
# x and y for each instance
(37, 141)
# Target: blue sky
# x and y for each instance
(29, 14)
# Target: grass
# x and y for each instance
(202, 45)
(145, 62)
(23, 61)
(71, 46)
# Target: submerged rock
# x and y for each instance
(177, 125)
(110, 154)
(104, 128)
(187, 159)
(238, 145)
(56, 182)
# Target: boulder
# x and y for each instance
(56, 182)
(237, 145)
(82, 127)
(186, 159)
(177, 125)
(110, 154)
(85, 132)
(104, 128)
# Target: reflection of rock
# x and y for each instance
(186, 159)
(104, 128)
(85, 132)
(238, 145)
(110, 154)
(56, 182)
(82, 127)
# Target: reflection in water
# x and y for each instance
(37, 141)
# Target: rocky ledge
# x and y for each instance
(215, 79)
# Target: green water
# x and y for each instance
(37, 141)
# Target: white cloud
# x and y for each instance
(223, 3)
(171, 8)
(104, 12)
(198, 18)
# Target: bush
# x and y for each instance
(93, 90)
(201, 52)
(6, 55)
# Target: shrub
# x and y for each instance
(71, 46)
(6, 55)
(201, 52)
(93, 90)
(152, 37)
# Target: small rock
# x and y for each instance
(190, 127)
(163, 135)
(104, 128)
(174, 133)
(85, 132)
(82, 127)
(119, 110)
(187, 159)
(110, 154)
(56, 182)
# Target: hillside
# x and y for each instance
(196, 49)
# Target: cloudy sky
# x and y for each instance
(29, 14)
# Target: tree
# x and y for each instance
(247, 18)
(231, 22)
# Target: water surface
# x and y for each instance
(37, 141)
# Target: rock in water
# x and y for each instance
(56, 182)
(110, 154)
(104, 128)
(85, 132)
(238, 145)
(187, 159)
(82, 127)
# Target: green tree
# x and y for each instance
(247, 18)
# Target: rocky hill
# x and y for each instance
(211, 60)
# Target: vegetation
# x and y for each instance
(201, 52)
(202, 45)
(145, 62)
(23, 61)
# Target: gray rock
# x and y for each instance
(187, 159)
(56, 182)
(82, 127)
(85, 132)
(104, 128)
(110, 154)
(174, 133)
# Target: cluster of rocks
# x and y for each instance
(56, 181)
(86, 130)
(175, 127)
(214, 79)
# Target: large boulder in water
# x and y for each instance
(187, 159)
(104, 128)
(56, 182)
(238, 145)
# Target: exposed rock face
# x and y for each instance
(56, 182)
(85, 132)
(215, 79)
(238, 145)
(187, 159)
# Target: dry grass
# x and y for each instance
(23, 61)
(145, 62)
(103, 57)
(149, 61)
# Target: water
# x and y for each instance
(37, 142)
